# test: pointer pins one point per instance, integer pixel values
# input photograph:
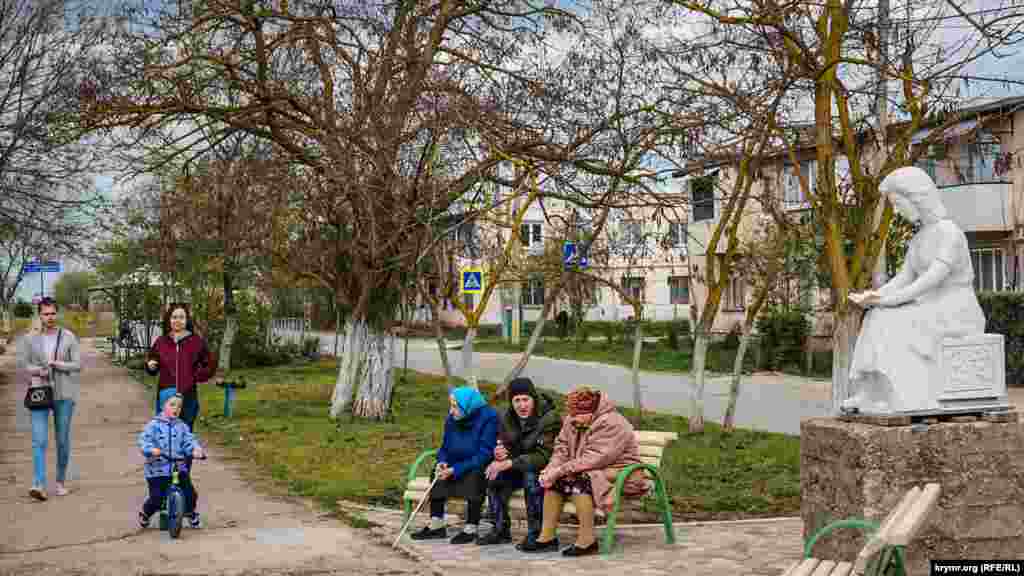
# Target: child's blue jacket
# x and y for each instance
(172, 437)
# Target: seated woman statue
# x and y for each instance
(594, 445)
(896, 357)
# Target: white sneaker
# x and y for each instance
(61, 490)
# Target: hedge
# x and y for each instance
(1004, 314)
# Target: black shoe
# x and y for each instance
(463, 538)
(495, 536)
(427, 534)
(576, 551)
(537, 546)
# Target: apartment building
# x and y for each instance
(660, 256)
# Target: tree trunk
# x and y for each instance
(524, 358)
(468, 358)
(637, 348)
(700, 349)
(737, 374)
(366, 366)
(376, 377)
(337, 327)
(230, 326)
(843, 339)
(441, 347)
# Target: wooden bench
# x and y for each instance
(652, 446)
(884, 551)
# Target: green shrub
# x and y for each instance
(23, 309)
(783, 333)
(1004, 314)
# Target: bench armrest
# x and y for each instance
(419, 460)
(870, 528)
(660, 494)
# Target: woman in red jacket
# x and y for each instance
(182, 359)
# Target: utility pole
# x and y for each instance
(880, 276)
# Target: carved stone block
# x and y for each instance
(972, 371)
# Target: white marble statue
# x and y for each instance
(931, 298)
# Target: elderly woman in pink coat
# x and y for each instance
(594, 445)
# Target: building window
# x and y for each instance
(533, 292)
(735, 294)
(632, 233)
(988, 266)
(679, 290)
(702, 196)
(530, 233)
(677, 235)
(792, 193)
(634, 287)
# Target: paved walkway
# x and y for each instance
(93, 531)
(745, 548)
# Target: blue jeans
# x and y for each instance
(500, 489)
(62, 412)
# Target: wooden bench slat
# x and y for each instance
(842, 569)
(902, 533)
(878, 540)
(824, 568)
(655, 437)
(806, 568)
(651, 450)
(792, 568)
(419, 484)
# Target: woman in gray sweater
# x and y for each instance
(52, 358)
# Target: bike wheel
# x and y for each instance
(175, 512)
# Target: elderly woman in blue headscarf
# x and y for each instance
(470, 435)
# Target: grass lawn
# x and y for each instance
(654, 357)
(281, 432)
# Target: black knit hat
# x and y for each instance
(520, 387)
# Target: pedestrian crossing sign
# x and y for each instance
(472, 280)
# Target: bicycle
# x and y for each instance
(172, 509)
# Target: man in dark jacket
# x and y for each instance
(525, 440)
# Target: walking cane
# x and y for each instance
(413, 515)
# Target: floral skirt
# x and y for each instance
(574, 484)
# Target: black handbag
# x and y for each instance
(41, 397)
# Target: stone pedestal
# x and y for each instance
(861, 470)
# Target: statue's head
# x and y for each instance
(913, 194)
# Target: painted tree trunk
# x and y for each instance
(366, 366)
(468, 358)
(442, 348)
(227, 342)
(524, 358)
(737, 374)
(700, 349)
(230, 325)
(638, 344)
(377, 377)
(843, 340)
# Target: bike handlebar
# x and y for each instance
(177, 459)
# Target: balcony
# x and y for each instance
(979, 207)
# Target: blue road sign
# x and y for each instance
(572, 258)
(569, 253)
(36, 266)
(472, 281)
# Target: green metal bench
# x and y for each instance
(884, 552)
(652, 445)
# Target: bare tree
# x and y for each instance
(45, 180)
